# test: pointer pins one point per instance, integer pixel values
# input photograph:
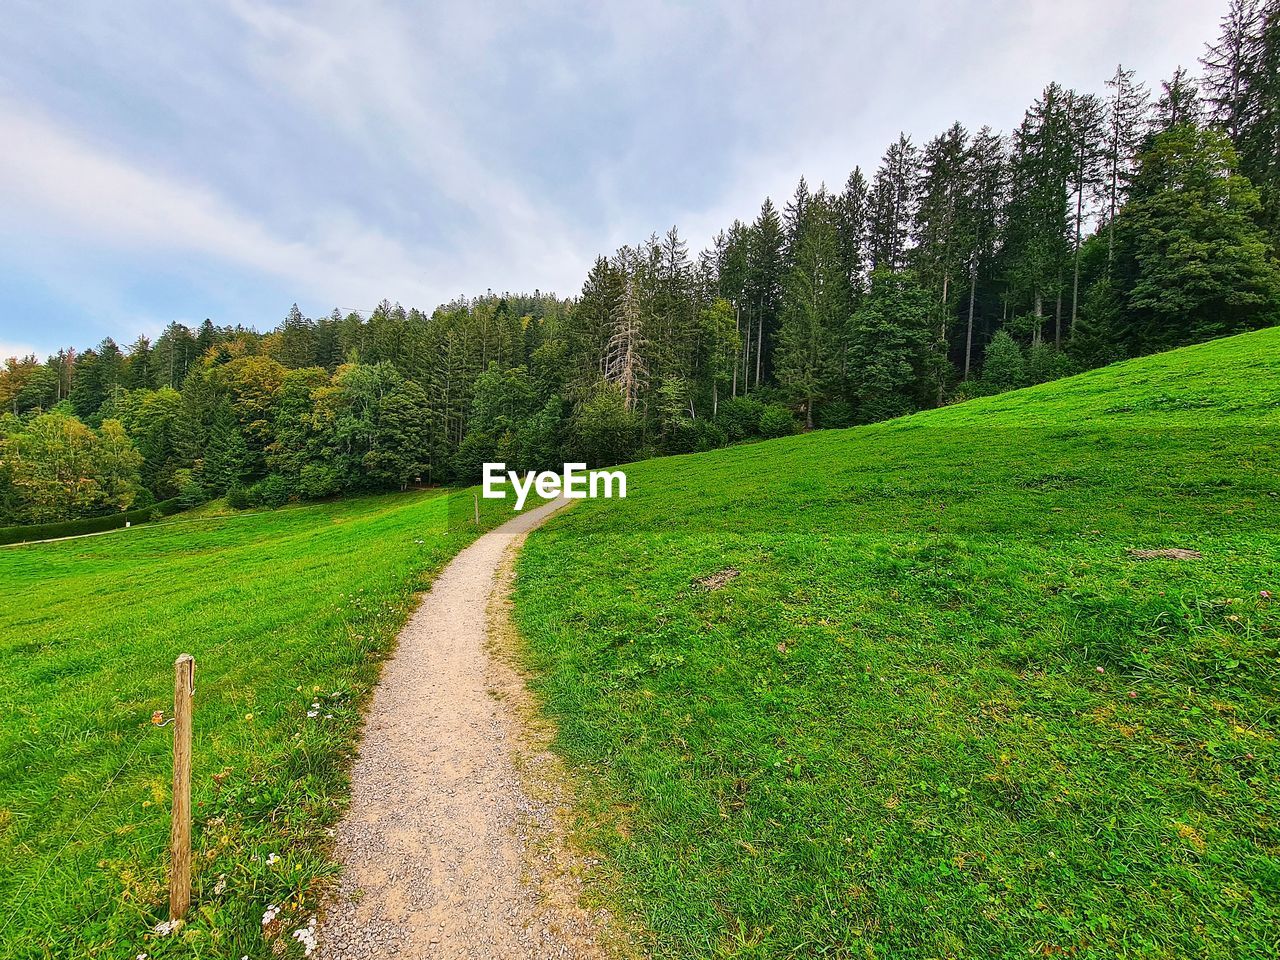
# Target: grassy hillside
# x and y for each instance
(936, 707)
(287, 614)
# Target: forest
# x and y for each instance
(1108, 224)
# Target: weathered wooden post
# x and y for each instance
(184, 684)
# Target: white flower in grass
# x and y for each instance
(307, 936)
(270, 915)
(272, 860)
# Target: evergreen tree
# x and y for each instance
(99, 373)
(1126, 123)
(892, 205)
(815, 313)
(851, 229)
(625, 363)
(1085, 125)
(940, 251)
(226, 456)
(1191, 262)
(1179, 103)
(297, 340)
(591, 320)
(765, 274)
(982, 210)
(174, 352)
(1242, 77)
(1005, 368)
(141, 373)
(888, 349)
(1037, 248)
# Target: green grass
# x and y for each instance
(941, 711)
(282, 610)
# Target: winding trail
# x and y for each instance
(444, 850)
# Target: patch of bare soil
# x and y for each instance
(714, 581)
(1172, 553)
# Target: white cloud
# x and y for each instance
(10, 349)
(66, 186)
(419, 152)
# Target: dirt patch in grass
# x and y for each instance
(1172, 553)
(714, 581)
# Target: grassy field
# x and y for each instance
(937, 708)
(288, 614)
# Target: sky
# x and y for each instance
(166, 162)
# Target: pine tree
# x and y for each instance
(141, 372)
(795, 217)
(1085, 125)
(1127, 107)
(625, 365)
(297, 340)
(939, 254)
(888, 348)
(1242, 79)
(226, 456)
(892, 205)
(1179, 103)
(851, 230)
(1229, 67)
(982, 219)
(1191, 262)
(174, 352)
(815, 312)
(1037, 246)
(765, 272)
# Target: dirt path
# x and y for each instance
(445, 852)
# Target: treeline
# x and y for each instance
(1106, 225)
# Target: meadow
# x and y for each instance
(288, 614)
(912, 691)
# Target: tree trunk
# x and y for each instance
(942, 340)
(968, 336)
(1075, 279)
(759, 347)
(1057, 316)
(737, 329)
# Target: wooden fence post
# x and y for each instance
(184, 678)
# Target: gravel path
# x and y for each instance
(442, 844)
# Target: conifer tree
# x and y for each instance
(1127, 106)
(851, 230)
(888, 346)
(765, 272)
(892, 205)
(1179, 103)
(815, 312)
(981, 220)
(1191, 261)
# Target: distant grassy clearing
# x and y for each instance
(282, 610)
(941, 711)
